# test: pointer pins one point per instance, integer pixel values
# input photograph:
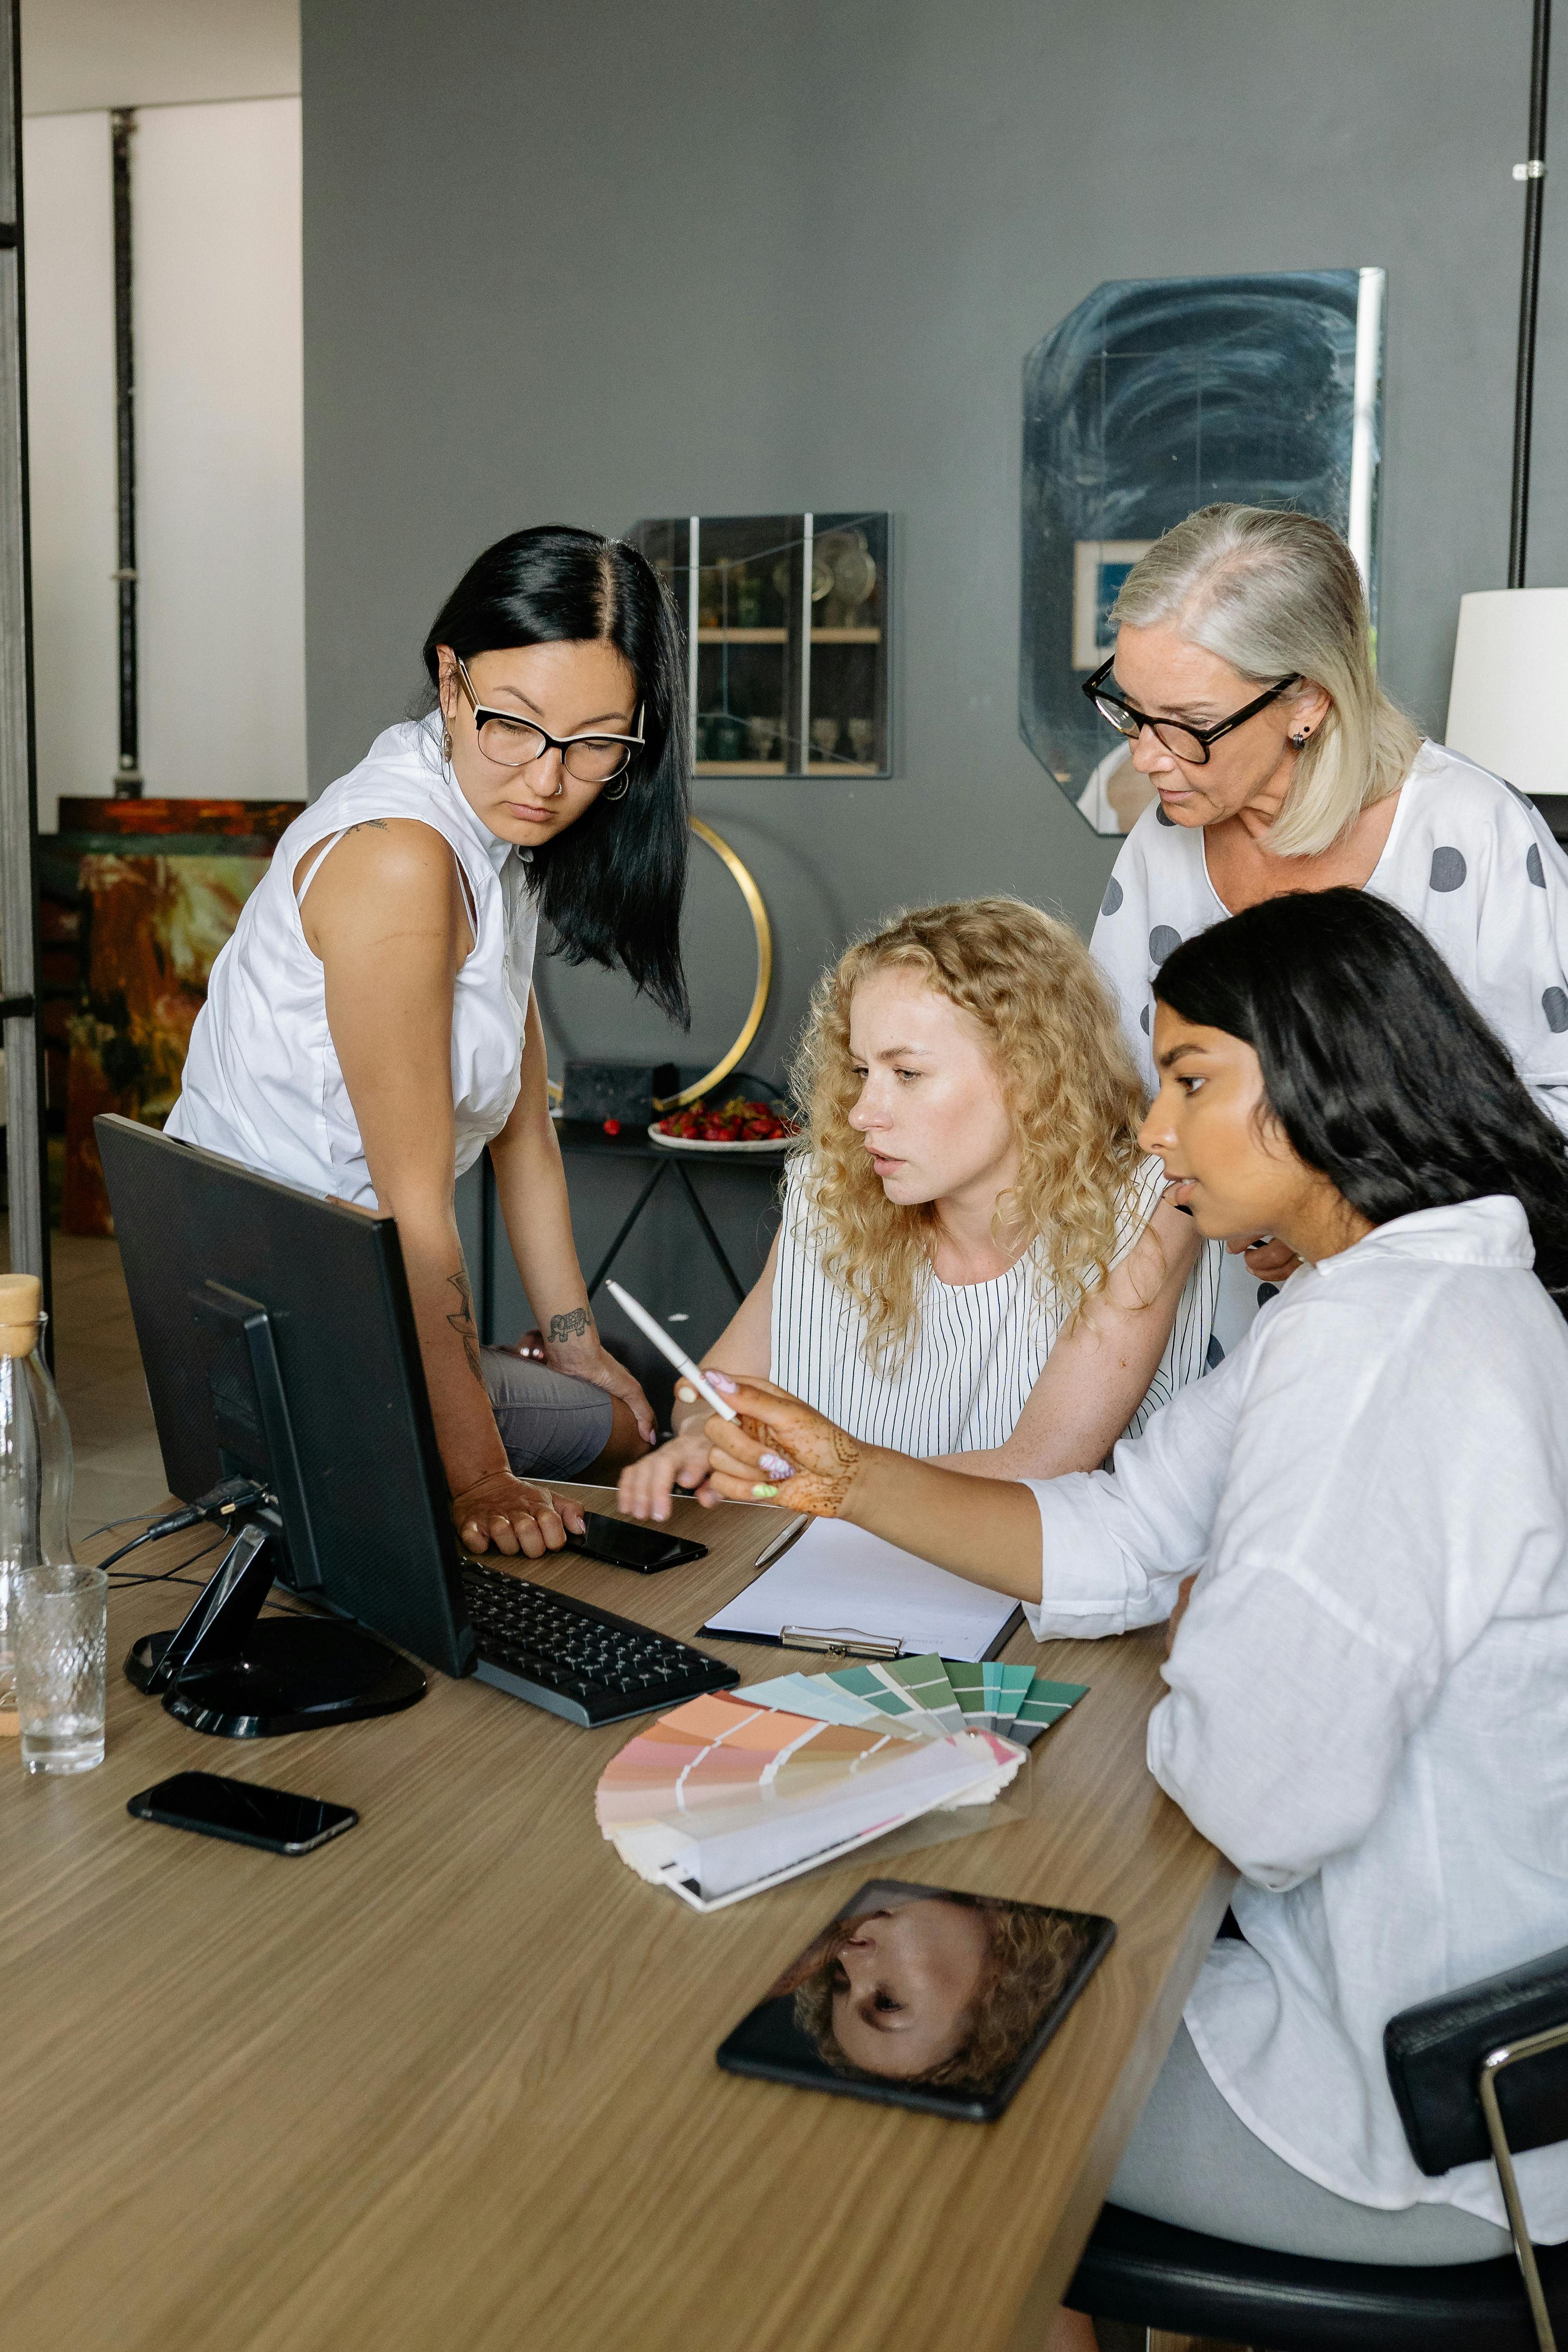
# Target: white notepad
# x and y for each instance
(837, 1576)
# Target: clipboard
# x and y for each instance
(845, 1641)
(843, 1558)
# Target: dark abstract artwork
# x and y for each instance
(1155, 396)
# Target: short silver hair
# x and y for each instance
(1278, 594)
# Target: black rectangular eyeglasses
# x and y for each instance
(514, 742)
(1189, 743)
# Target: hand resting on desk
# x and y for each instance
(514, 1515)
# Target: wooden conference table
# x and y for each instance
(449, 2082)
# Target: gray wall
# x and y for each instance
(625, 257)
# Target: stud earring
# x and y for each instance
(1299, 740)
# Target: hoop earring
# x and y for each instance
(621, 794)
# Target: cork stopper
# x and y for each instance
(21, 1304)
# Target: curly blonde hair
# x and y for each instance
(1031, 1956)
(1067, 1079)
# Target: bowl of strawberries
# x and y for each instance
(741, 1124)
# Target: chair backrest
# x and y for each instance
(1434, 2052)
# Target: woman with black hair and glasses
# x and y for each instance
(371, 1027)
(1368, 1689)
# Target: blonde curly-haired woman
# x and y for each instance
(974, 1263)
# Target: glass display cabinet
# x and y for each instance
(786, 622)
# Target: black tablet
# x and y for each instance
(919, 1997)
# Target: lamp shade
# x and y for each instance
(1510, 669)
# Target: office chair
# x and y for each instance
(1451, 2064)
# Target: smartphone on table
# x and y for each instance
(647, 1550)
(214, 1806)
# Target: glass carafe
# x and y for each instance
(35, 1464)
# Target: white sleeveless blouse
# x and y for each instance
(978, 1347)
(262, 1082)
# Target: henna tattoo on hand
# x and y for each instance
(571, 1326)
(819, 1490)
(463, 1322)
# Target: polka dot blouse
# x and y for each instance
(1467, 857)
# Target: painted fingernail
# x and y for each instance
(764, 1494)
(722, 1381)
(687, 1394)
(775, 1465)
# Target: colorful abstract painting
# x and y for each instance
(156, 905)
(1156, 396)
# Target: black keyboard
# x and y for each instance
(576, 1660)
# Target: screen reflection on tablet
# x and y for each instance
(919, 1985)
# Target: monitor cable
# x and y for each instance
(221, 1504)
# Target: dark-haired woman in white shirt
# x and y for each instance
(1368, 1688)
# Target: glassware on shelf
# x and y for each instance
(789, 671)
(724, 736)
(35, 1474)
(849, 570)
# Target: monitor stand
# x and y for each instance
(229, 1671)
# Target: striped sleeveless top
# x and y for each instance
(978, 1347)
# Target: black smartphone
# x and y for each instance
(647, 1549)
(975, 1986)
(274, 1819)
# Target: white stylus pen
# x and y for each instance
(666, 1346)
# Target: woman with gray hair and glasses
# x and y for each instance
(1244, 680)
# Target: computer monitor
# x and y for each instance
(280, 1345)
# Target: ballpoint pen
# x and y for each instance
(666, 1346)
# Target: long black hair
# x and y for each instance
(611, 885)
(1376, 1062)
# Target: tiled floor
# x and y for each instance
(97, 1371)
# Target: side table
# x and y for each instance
(580, 1139)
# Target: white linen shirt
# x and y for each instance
(1368, 1695)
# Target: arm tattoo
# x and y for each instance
(463, 1322)
(369, 824)
(570, 1327)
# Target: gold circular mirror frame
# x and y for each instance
(763, 931)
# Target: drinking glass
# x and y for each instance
(61, 1665)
